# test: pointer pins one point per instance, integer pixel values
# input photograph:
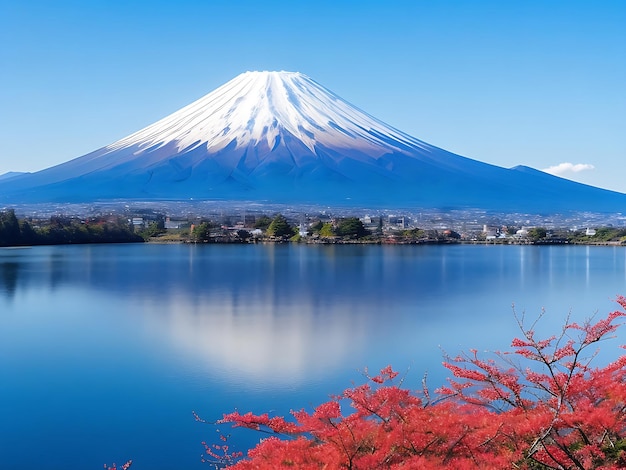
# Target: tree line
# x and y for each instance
(59, 230)
(279, 228)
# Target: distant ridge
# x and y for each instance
(11, 174)
(280, 137)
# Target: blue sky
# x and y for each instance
(538, 83)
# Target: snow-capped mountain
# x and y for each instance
(282, 137)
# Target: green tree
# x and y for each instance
(243, 235)
(28, 234)
(537, 233)
(414, 233)
(327, 230)
(280, 227)
(317, 226)
(202, 232)
(262, 222)
(152, 230)
(351, 227)
(9, 228)
(609, 233)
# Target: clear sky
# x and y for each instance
(533, 82)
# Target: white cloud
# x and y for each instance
(563, 169)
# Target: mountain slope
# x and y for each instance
(11, 174)
(282, 137)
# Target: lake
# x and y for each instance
(105, 350)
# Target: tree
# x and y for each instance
(451, 234)
(126, 466)
(539, 406)
(351, 227)
(577, 417)
(153, 229)
(327, 230)
(537, 233)
(280, 227)
(243, 235)
(202, 232)
(262, 222)
(9, 228)
(28, 235)
(317, 226)
(609, 233)
(63, 230)
(414, 233)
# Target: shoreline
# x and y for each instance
(157, 241)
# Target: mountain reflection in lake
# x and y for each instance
(105, 350)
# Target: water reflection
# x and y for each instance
(9, 271)
(262, 342)
(294, 278)
(296, 314)
(313, 280)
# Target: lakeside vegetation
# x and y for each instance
(112, 228)
(343, 230)
(60, 230)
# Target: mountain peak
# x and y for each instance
(272, 73)
(267, 107)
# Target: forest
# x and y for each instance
(59, 230)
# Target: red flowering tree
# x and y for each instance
(126, 466)
(539, 406)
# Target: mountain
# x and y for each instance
(281, 137)
(11, 174)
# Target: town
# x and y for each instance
(212, 222)
(336, 227)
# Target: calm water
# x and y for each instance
(106, 350)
